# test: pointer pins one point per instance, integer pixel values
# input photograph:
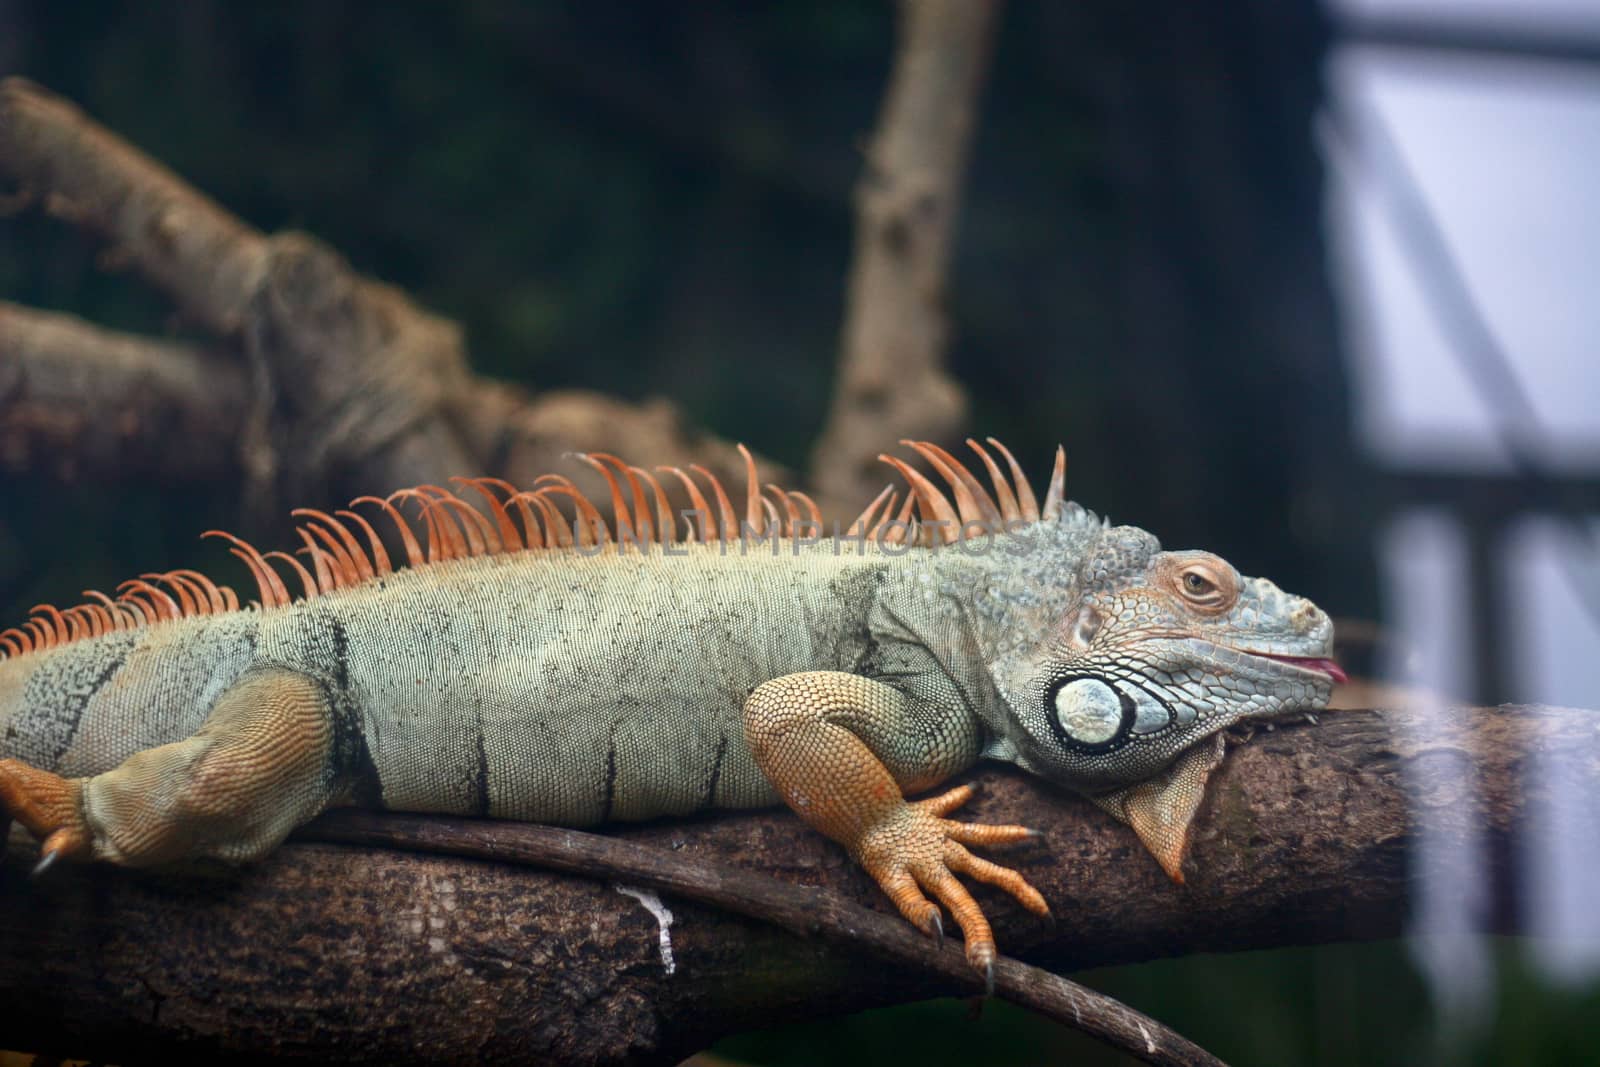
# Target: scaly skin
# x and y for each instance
(581, 686)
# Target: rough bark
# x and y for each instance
(892, 382)
(805, 911)
(1310, 833)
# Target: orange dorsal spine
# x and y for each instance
(344, 549)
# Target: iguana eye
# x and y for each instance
(1206, 585)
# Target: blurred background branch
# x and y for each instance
(335, 382)
(85, 402)
(891, 382)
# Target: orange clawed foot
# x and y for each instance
(48, 806)
(915, 849)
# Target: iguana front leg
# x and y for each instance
(842, 750)
(257, 768)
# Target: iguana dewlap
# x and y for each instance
(539, 664)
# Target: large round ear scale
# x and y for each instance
(1089, 714)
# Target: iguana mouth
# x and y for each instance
(1320, 664)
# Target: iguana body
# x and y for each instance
(585, 683)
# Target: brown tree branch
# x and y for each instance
(90, 402)
(803, 911)
(1310, 833)
(350, 389)
(78, 400)
(891, 382)
(210, 263)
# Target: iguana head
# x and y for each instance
(1117, 664)
(1135, 660)
(1144, 654)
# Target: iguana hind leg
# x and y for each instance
(840, 749)
(257, 768)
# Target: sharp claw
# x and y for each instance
(938, 929)
(46, 861)
(988, 979)
(1311, 718)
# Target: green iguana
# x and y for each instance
(535, 663)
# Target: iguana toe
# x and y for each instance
(47, 859)
(68, 841)
(915, 852)
(971, 833)
(960, 860)
(48, 806)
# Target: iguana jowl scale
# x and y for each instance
(527, 665)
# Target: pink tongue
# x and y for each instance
(1326, 666)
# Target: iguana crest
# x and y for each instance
(344, 549)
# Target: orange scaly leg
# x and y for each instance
(255, 769)
(828, 740)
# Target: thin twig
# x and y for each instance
(801, 910)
